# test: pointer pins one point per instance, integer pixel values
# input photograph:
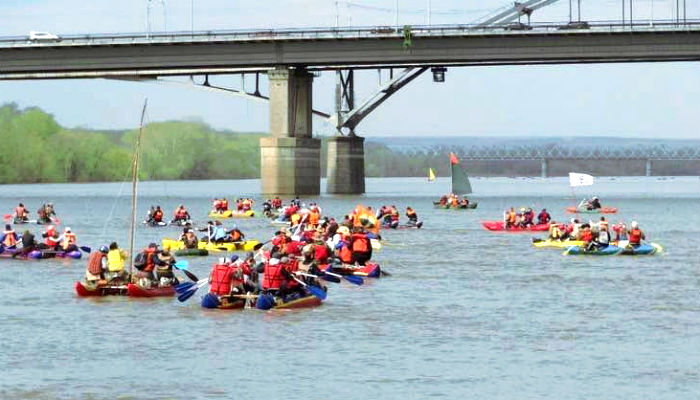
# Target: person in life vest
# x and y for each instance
(145, 262)
(9, 239)
(593, 204)
(527, 217)
(157, 215)
(314, 216)
(620, 230)
(225, 278)
(20, 213)
(45, 213)
(219, 233)
(555, 232)
(308, 265)
(96, 264)
(343, 248)
(586, 235)
(543, 217)
(189, 239)
(68, 240)
(572, 230)
(277, 278)
(164, 269)
(234, 235)
(464, 203)
(28, 245)
(249, 272)
(51, 239)
(361, 246)
(602, 239)
(181, 214)
(276, 203)
(412, 216)
(635, 235)
(510, 217)
(116, 259)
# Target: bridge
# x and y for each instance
(547, 153)
(290, 156)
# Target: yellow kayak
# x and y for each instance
(556, 243)
(247, 245)
(233, 214)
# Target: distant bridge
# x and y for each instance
(546, 153)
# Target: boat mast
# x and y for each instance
(134, 180)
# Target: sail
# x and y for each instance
(431, 175)
(460, 181)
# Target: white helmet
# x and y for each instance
(634, 224)
(67, 229)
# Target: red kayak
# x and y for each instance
(500, 227)
(138, 291)
(83, 290)
(604, 210)
(369, 270)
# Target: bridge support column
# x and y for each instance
(648, 168)
(290, 158)
(346, 165)
(544, 165)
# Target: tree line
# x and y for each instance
(35, 149)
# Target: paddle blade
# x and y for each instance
(182, 265)
(185, 296)
(85, 249)
(7, 216)
(190, 275)
(317, 291)
(258, 246)
(355, 280)
(330, 278)
(183, 287)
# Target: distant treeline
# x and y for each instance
(36, 149)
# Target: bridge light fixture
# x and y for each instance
(438, 74)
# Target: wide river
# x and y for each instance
(466, 313)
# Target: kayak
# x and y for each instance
(53, 221)
(155, 224)
(84, 290)
(471, 205)
(247, 245)
(611, 250)
(643, 249)
(604, 210)
(396, 225)
(556, 243)
(210, 300)
(499, 226)
(369, 270)
(191, 252)
(232, 214)
(134, 290)
(267, 301)
(42, 254)
(181, 222)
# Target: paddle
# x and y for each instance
(184, 287)
(191, 291)
(85, 249)
(182, 266)
(328, 278)
(315, 290)
(7, 216)
(356, 280)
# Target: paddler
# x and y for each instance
(602, 240)
(96, 264)
(181, 214)
(594, 204)
(464, 203)
(9, 238)
(45, 213)
(412, 216)
(543, 217)
(189, 239)
(554, 231)
(20, 213)
(164, 269)
(28, 245)
(51, 239)
(68, 240)
(157, 215)
(620, 230)
(221, 277)
(219, 233)
(277, 279)
(308, 265)
(276, 203)
(361, 246)
(510, 217)
(343, 249)
(145, 263)
(116, 259)
(234, 235)
(587, 236)
(635, 235)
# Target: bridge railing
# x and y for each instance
(345, 33)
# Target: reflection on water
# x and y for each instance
(466, 312)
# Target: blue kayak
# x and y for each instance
(581, 251)
(643, 249)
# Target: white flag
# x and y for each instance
(576, 179)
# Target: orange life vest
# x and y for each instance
(635, 236)
(94, 264)
(273, 277)
(511, 217)
(314, 216)
(345, 254)
(10, 238)
(220, 278)
(360, 243)
(235, 235)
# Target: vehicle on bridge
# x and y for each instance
(517, 26)
(38, 36)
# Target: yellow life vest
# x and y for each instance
(115, 260)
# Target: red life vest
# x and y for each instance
(217, 204)
(586, 235)
(150, 260)
(221, 277)
(279, 240)
(10, 238)
(321, 254)
(180, 213)
(224, 204)
(157, 215)
(293, 248)
(50, 241)
(360, 243)
(635, 236)
(345, 254)
(94, 264)
(273, 278)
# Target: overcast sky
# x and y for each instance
(637, 100)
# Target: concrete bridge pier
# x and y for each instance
(346, 165)
(290, 157)
(648, 168)
(544, 165)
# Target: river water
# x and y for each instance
(466, 313)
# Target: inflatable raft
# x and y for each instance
(369, 270)
(233, 214)
(611, 250)
(500, 227)
(247, 245)
(604, 210)
(472, 205)
(556, 243)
